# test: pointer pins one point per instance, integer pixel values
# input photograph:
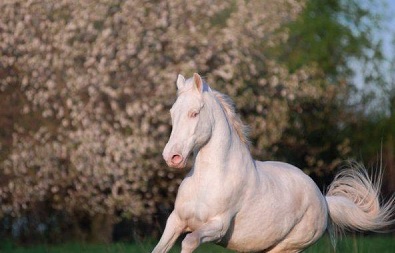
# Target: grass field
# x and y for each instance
(351, 244)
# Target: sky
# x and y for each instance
(390, 25)
(386, 34)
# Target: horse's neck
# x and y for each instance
(225, 153)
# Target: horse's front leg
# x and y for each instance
(211, 231)
(174, 227)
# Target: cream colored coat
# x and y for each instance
(231, 199)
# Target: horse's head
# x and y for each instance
(191, 120)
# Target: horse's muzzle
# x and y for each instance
(175, 160)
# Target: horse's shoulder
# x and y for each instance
(283, 172)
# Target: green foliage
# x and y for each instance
(331, 33)
(332, 36)
(371, 134)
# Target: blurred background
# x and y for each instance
(85, 89)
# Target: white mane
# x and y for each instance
(234, 119)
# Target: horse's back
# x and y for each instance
(286, 207)
(274, 167)
(285, 176)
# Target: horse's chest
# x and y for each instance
(196, 208)
(194, 214)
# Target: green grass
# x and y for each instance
(355, 244)
(351, 244)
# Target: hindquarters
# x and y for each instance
(310, 228)
(286, 214)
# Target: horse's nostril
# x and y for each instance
(176, 159)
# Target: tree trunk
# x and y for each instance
(389, 165)
(102, 226)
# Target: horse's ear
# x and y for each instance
(198, 82)
(180, 81)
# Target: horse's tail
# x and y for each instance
(353, 202)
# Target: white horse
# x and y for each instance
(247, 205)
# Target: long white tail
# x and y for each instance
(353, 201)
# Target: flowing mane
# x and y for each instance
(229, 109)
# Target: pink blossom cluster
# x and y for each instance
(98, 78)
